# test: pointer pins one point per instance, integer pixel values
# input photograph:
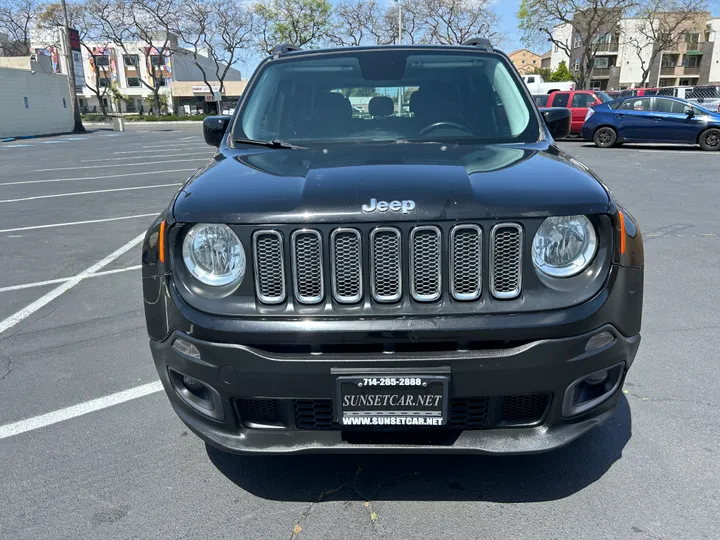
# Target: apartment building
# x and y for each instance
(525, 60)
(104, 66)
(693, 59)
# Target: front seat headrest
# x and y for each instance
(381, 106)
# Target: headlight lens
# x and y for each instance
(214, 255)
(564, 246)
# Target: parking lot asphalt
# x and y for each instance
(128, 468)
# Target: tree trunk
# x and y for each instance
(156, 99)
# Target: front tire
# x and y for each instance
(605, 137)
(710, 139)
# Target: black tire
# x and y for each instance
(605, 137)
(710, 139)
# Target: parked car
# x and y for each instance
(541, 100)
(652, 119)
(450, 279)
(537, 85)
(578, 101)
(707, 97)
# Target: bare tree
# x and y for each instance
(413, 29)
(451, 22)
(16, 20)
(589, 20)
(656, 29)
(152, 23)
(218, 31)
(358, 22)
(51, 17)
(304, 23)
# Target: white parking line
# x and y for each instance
(37, 422)
(63, 280)
(205, 154)
(53, 225)
(87, 192)
(21, 182)
(165, 146)
(72, 282)
(120, 165)
(51, 142)
(197, 147)
(16, 145)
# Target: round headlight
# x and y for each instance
(564, 246)
(214, 255)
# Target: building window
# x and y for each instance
(576, 67)
(534, 61)
(157, 60)
(102, 60)
(577, 43)
(162, 81)
(692, 60)
(103, 82)
(601, 62)
(668, 61)
(131, 60)
(557, 48)
(133, 82)
(686, 82)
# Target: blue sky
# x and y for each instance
(507, 10)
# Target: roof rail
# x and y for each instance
(284, 48)
(480, 42)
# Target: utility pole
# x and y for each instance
(400, 40)
(79, 128)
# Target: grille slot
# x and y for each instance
(506, 260)
(308, 266)
(346, 265)
(466, 262)
(526, 409)
(425, 265)
(386, 264)
(269, 267)
(259, 411)
(313, 413)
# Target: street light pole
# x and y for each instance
(79, 128)
(400, 40)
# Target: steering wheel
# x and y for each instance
(438, 125)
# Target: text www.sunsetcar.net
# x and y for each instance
(391, 421)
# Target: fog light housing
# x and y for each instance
(197, 394)
(591, 390)
(598, 341)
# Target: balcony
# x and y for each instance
(691, 70)
(667, 70)
(599, 73)
(611, 47)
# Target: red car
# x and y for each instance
(578, 101)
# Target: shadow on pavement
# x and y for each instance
(526, 478)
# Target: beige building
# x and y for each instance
(525, 60)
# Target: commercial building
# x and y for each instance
(693, 58)
(34, 100)
(525, 61)
(107, 72)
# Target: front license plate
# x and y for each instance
(395, 401)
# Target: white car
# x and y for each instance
(537, 85)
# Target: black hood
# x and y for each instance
(443, 182)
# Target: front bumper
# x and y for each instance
(546, 367)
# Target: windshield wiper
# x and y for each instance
(275, 143)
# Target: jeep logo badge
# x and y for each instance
(393, 206)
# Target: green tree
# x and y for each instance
(304, 23)
(562, 73)
(545, 73)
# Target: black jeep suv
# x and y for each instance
(388, 252)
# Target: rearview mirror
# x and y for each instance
(214, 128)
(558, 120)
(689, 112)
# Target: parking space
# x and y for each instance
(90, 447)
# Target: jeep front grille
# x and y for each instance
(269, 267)
(506, 260)
(307, 266)
(346, 265)
(377, 256)
(386, 264)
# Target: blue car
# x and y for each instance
(651, 119)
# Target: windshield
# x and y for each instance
(387, 95)
(603, 97)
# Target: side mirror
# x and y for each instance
(214, 128)
(689, 112)
(558, 120)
